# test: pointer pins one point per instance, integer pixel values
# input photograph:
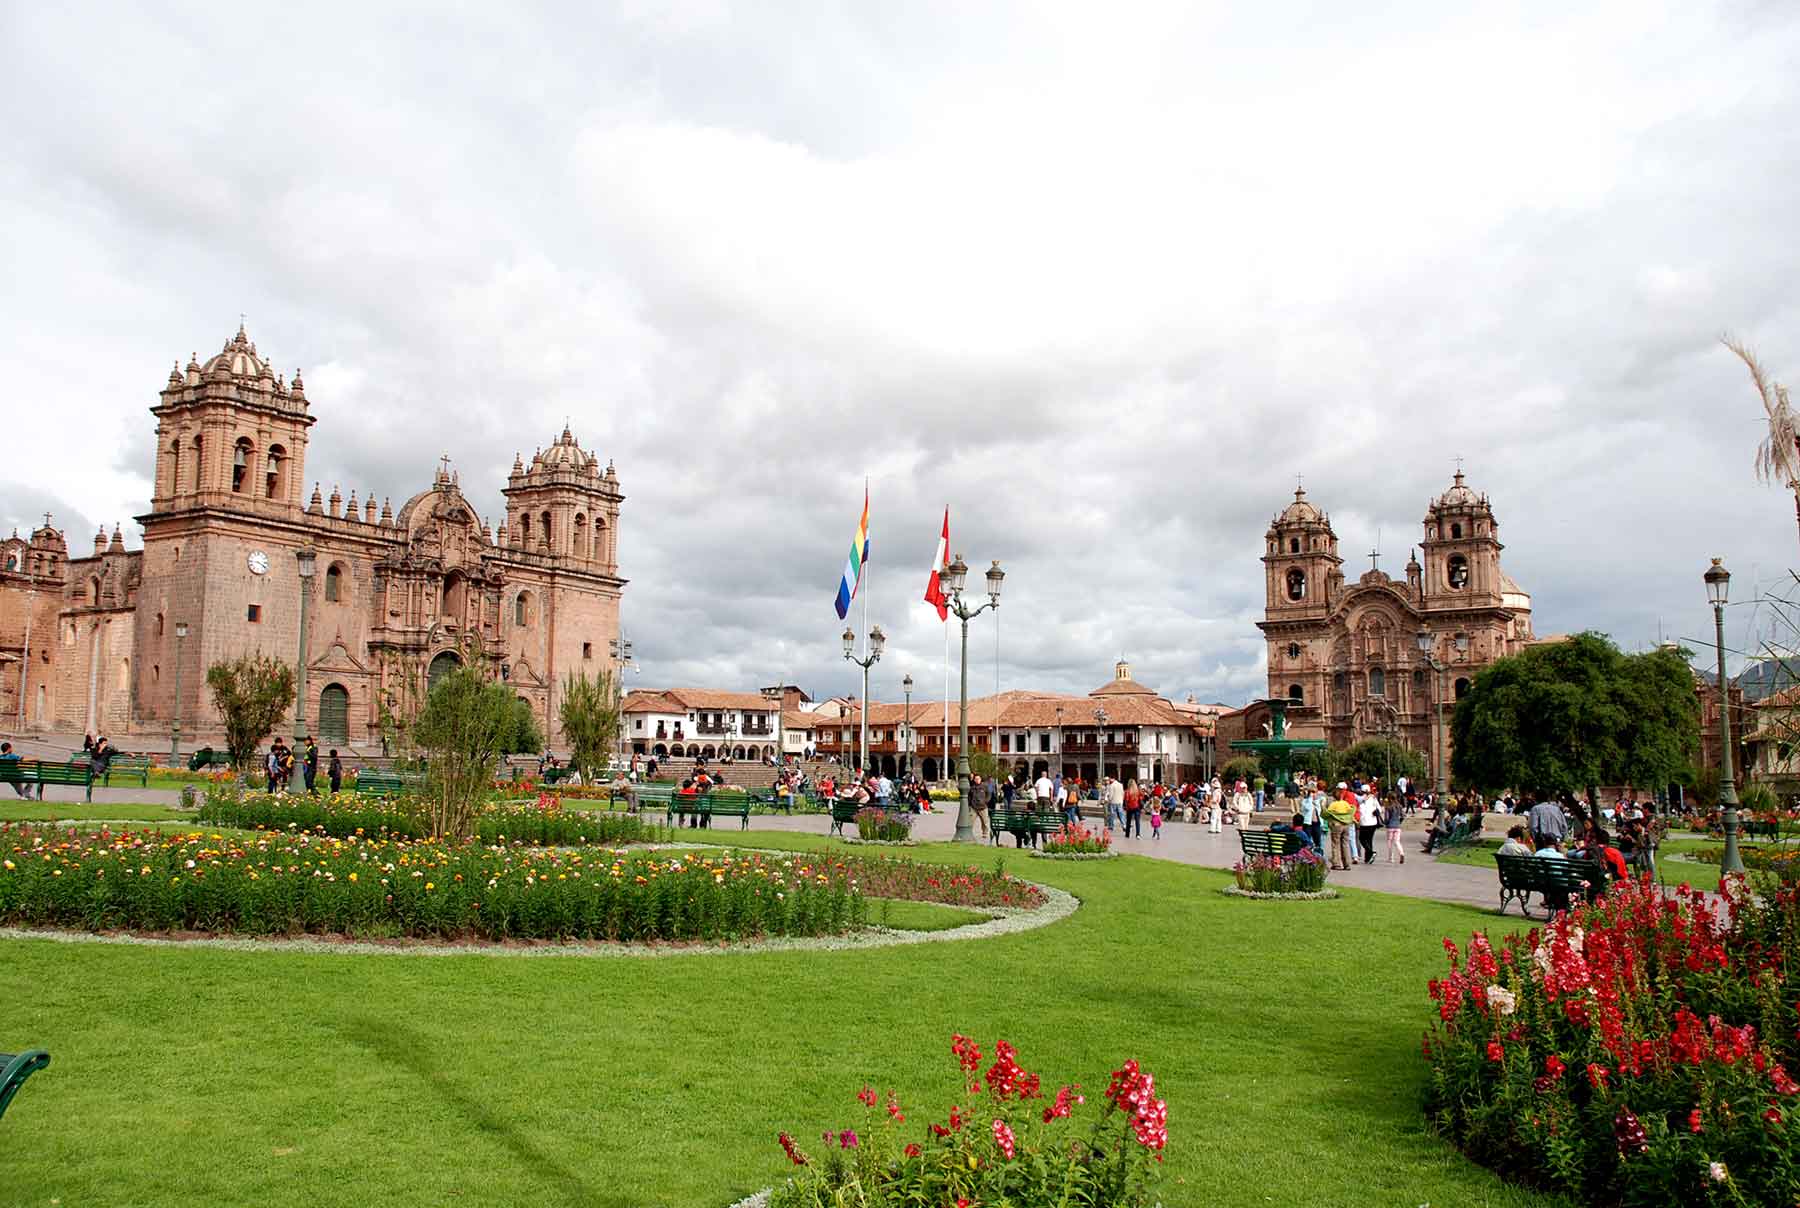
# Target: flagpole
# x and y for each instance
(867, 661)
(946, 696)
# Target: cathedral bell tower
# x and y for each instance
(1303, 570)
(1461, 551)
(563, 504)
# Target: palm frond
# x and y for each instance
(1778, 456)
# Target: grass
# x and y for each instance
(1285, 1036)
(82, 811)
(904, 915)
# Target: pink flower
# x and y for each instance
(1003, 1137)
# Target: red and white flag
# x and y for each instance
(934, 590)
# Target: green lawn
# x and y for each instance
(1284, 1035)
(904, 915)
(20, 810)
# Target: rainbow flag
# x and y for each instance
(853, 565)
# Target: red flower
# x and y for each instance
(1694, 1121)
(912, 1150)
(1003, 1137)
(1495, 1052)
(1783, 1083)
(793, 1151)
(1553, 1066)
(1597, 1075)
(867, 1095)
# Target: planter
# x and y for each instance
(1322, 895)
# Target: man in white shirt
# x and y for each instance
(1368, 820)
(1045, 790)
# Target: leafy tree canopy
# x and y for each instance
(1569, 715)
(1381, 759)
(463, 729)
(590, 720)
(252, 693)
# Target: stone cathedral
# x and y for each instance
(90, 643)
(1346, 655)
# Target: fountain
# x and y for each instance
(1277, 750)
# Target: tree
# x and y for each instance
(525, 738)
(463, 729)
(1575, 714)
(1247, 768)
(1778, 456)
(984, 764)
(590, 720)
(1323, 763)
(1381, 759)
(252, 693)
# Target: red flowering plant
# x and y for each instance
(1641, 1049)
(1075, 839)
(1004, 1140)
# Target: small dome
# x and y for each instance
(1300, 511)
(238, 359)
(565, 453)
(1459, 495)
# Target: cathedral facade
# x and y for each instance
(232, 548)
(1346, 655)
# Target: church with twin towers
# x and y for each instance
(1346, 655)
(98, 641)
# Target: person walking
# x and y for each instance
(1312, 805)
(1156, 817)
(1340, 815)
(981, 794)
(1115, 802)
(1368, 821)
(310, 769)
(1134, 810)
(1044, 791)
(334, 772)
(1391, 818)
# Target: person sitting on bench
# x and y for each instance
(8, 755)
(1515, 844)
(1297, 829)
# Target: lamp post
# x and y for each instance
(951, 580)
(1062, 764)
(1100, 771)
(308, 558)
(621, 652)
(175, 720)
(1428, 643)
(1718, 582)
(877, 640)
(906, 727)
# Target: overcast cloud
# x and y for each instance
(1104, 279)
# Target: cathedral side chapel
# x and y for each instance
(396, 596)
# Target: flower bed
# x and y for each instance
(1003, 1142)
(1299, 875)
(877, 825)
(293, 884)
(1639, 1050)
(897, 877)
(1077, 839)
(1319, 895)
(541, 822)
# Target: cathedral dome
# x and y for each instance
(1459, 495)
(238, 358)
(1300, 511)
(566, 454)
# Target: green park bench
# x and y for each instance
(1022, 824)
(703, 807)
(44, 772)
(559, 773)
(1461, 835)
(15, 1068)
(1756, 829)
(384, 784)
(1278, 845)
(843, 812)
(206, 758)
(1522, 876)
(649, 796)
(127, 766)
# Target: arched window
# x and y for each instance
(124, 675)
(455, 597)
(544, 530)
(12, 561)
(522, 609)
(198, 449)
(1296, 584)
(1296, 694)
(1456, 572)
(240, 464)
(94, 591)
(1456, 532)
(334, 713)
(442, 665)
(579, 546)
(1462, 686)
(272, 484)
(1377, 682)
(1293, 650)
(1293, 545)
(600, 550)
(159, 624)
(175, 467)
(334, 582)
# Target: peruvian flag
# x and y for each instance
(934, 591)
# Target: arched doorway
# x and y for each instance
(693, 751)
(706, 752)
(334, 714)
(660, 750)
(442, 665)
(888, 767)
(930, 768)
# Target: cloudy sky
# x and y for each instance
(1102, 278)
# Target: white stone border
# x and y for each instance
(1323, 895)
(878, 842)
(1075, 855)
(1002, 920)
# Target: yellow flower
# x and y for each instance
(353, 878)
(429, 887)
(9, 866)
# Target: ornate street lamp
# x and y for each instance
(175, 713)
(1100, 772)
(906, 726)
(307, 557)
(1718, 585)
(950, 581)
(877, 640)
(1427, 644)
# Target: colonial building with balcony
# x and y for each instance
(703, 723)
